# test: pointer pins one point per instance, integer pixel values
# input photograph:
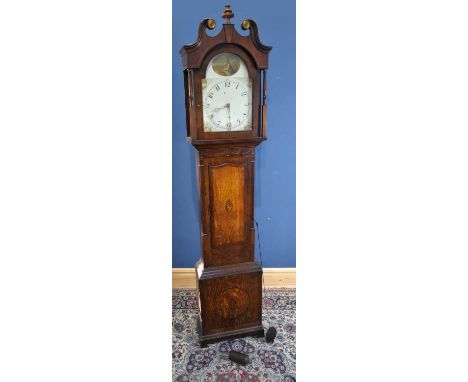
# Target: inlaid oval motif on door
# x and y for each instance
(233, 303)
(228, 206)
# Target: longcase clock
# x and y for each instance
(225, 99)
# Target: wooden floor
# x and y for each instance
(274, 277)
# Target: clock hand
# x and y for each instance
(219, 108)
(229, 113)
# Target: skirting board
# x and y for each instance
(274, 277)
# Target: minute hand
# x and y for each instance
(229, 113)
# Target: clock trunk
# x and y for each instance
(229, 280)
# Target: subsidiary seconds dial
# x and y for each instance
(227, 105)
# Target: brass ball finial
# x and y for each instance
(227, 14)
(211, 24)
(245, 24)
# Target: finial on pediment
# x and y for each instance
(227, 14)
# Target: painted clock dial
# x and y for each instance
(227, 95)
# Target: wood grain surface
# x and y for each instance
(227, 201)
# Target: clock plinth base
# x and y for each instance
(256, 331)
(230, 301)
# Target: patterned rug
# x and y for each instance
(268, 362)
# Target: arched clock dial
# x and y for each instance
(227, 105)
(227, 95)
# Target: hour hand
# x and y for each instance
(219, 108)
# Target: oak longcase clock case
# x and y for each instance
(225, 100)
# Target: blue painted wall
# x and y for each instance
(275, 182)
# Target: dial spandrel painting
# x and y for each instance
(225, 64)
(227, 95)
